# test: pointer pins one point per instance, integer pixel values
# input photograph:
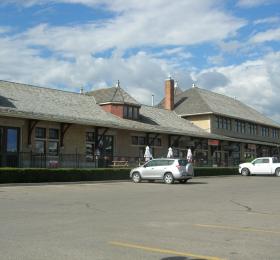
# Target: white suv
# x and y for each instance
(164, 169)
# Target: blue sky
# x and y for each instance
(231, 47)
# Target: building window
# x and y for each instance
(125, 111)
(240, 126)
(252, 129)
(275, 133)
(265, 131)
(53, 144)
(12, 140)
(90, 136)
(40, 146)
(53, 147)
(53, 134)
(141, 140)
(42, 142)
(135, 112)
(223, 123)
(90, 146)
(131, 112)
(134, 140)
(40, 132)
(154, 141)
(138, 140)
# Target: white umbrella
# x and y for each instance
(148, 156)
(170, 153)
(189, 155)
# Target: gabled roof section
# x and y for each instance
(114, 95)
(200, 101)
(188, 102)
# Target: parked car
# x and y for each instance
(165, 169)
(263, 165)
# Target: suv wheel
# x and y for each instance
(245, 172)
(168, 178)
(277, 172)
(136, 178)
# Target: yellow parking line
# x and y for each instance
(162, 251)
(238, 228)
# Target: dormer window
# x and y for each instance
(130, 112)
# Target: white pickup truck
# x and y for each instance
(263, 165)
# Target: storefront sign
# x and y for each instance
(213, 142)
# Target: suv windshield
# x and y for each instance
(182, 162)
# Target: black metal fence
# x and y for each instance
(34, 160)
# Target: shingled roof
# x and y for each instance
(200, 101)
(31, 102)
(114, 95)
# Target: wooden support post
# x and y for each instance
(147, 139)
(176, 140)
(31, 126)
(154, 138)
(63, 129)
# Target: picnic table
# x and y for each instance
(119, 164)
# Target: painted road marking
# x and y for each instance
(238, 228)
(163, 251)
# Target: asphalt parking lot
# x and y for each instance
(208, 218)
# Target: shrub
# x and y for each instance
(27, 175)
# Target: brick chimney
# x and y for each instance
(169, 94)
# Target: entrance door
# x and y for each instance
(217, 158)
(9, 146)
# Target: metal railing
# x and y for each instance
(35, 160)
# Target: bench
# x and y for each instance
(119, 164)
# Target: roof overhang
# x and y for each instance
(143, 128)
(233, 117)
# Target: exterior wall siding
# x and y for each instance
(202, 121)
(207, 122)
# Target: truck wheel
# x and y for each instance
(277, 172)
(245, 172)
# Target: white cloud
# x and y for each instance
(216, 60)
(269, 35)
(154, 23)
(268, 20)
(256, 83)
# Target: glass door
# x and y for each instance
(9, 146)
